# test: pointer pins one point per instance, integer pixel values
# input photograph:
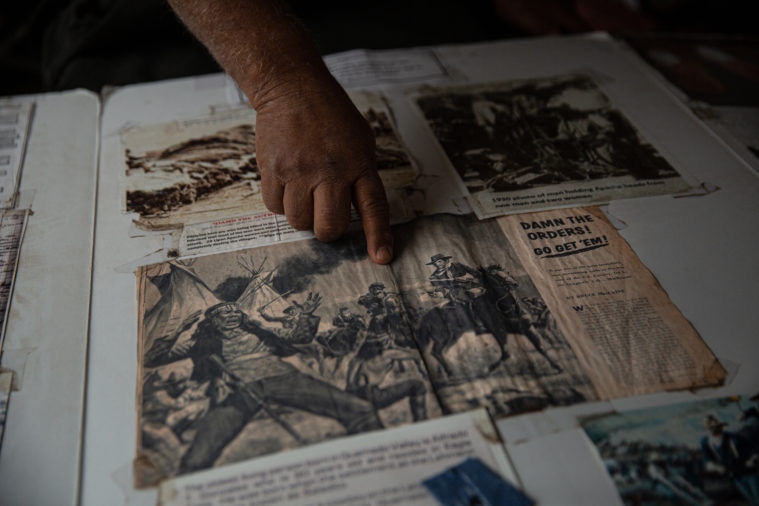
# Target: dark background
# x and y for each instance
(57, 44)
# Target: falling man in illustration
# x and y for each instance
(242, 361)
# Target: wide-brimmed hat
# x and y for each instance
(437, 257)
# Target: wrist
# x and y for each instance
(296, 79)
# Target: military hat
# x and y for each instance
(437, 257)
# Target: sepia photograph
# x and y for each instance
(555, 134)
(199, 170)
(705, 452)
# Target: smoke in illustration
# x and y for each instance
(294, 274)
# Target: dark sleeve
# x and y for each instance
(706, 450)
(463, 268)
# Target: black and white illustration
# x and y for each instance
(542, 143)
(199, 170)
(254, 352)
(485, 332)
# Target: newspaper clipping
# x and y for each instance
(380, 468)
(629, 336)
(15, 123)
(204, 170)
(12, 227)
(543, 143)
(252, 352)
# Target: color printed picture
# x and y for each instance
(697, 453)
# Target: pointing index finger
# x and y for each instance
(371, 203)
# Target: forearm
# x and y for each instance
(315, 151)
(258, 42)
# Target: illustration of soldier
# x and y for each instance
(242, 363)
(458, 283)
(299, 328)
(735, 455)
(298, 322)
(348, 334)
(542, 319)
(481, 300)
(386, 315)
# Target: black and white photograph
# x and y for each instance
(704, 452)
(562, 136)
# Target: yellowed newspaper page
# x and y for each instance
(621, 324)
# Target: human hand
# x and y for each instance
(316, 154)
(315, 151)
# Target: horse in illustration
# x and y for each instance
(495, 310)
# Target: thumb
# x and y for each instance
(371, 203)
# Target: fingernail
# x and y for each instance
(384, 254)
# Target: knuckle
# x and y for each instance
(374, 207)
(274, 204)
(299, 224)
(329, 231)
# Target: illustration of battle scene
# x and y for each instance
(705, 452)
(485, 332)
(257, 351)
(527, 134)
(197, 170)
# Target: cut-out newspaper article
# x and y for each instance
(15, 122)
(251, 352)
(385, 467)
(542, 143)
(12, 227)
(204, 170)
(262, 350)
(704, 452)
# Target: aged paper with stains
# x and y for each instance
(628, 333)
(256, 351)
(542, 143)
(12, 228)
(253, 352)
(204, 170)
(15, 124)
